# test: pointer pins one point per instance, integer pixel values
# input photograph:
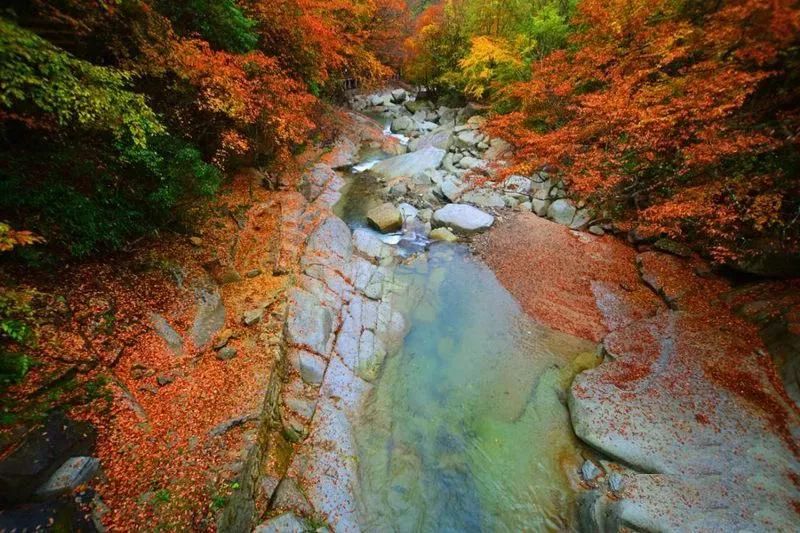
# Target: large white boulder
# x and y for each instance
(463, 218)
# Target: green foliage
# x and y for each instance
(86, 198)
(17, 334)
(548, 28)
(221, 22)
(46, 84)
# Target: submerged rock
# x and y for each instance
(385, 218)
(443, 234)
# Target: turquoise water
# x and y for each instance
(466, 429)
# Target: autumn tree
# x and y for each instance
(681, 117)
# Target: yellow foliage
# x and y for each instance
(491, 61)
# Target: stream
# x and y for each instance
(466, 428)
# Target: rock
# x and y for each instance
(597, 230)
(226, 353)
(253, 316)
(412, 106)
(590, 471)
(463, 218)
(385, 218)
(498, 149)
(311, 367)
(410, 164)
(443, 234)
(465, 113)
(407, 211)
(399, 96)
(539, 207)
(582, 217)
(288, 496)
(370, 245)
(376, 100)
(285, 523)
(561, 211)
(253, 273)
(517, 184)
(31, 462)
(673, 247)
(164, 330)
(453, 188)
(403, 124)
(472, 163)
(615, 482)
(441, 138)
(308, 323)
(468, 139)
(398, 189)
(196, 241)
(164, 380)
(74, 472)
(526, 206)
(484, 198)
(476, 121)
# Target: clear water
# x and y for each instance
(466, 429)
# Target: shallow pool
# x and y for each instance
(466, 429)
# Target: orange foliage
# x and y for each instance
(678, 112)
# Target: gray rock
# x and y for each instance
(463, 218)
(226, 353)
(441, 138)
(368, 243)
(484, 198)
(210, 317)
(517, 184)
(399, 96)
(590, 471)
(468, 139)
(403, 124)
(311, 367)
(407, 211)
(498, 148)
(285, 523)
(561, 211)
(288, 496)
(74, 472)
(410, 164)
(526, 206)
(596, 230)
(170, 336)
(453, 188)
(582, 217)
(385, 218)
(615, 482)
(308, 323)
(472, 163)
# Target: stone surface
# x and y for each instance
(74, 472)
(463, 218)
(561, 212)
(209, 317)
(410, 164)
(441, 138)
(308, 324)
(385, 217)
(484, 198)
(311, 367)
(167, 333)
(226, 353)
(285, 523)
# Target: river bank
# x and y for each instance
(663, 410)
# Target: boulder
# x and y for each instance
(403, 124)
(441, 137)
(285, 523)
(308, 323)
(453, 188)
(498, 149)
(385, 218)
(463, 218)
(410, 164)
(399, 96)
(74, 472)
(517, 184)
(468, 139)
(561, 211)
(484, 198)
(471, 163)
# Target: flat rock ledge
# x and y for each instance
(339, 328)
(690, 404)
